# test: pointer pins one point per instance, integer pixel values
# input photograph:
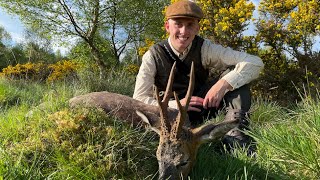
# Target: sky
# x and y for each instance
(13, 25)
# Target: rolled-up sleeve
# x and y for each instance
(145, 79)
(247, 67)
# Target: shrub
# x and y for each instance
(62, 69)
(42, 72)
(132, 69)
(28, 71)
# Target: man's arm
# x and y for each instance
(247, 67)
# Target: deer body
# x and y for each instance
(122, 107)
(178, 142)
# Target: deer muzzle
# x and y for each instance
(167, 171)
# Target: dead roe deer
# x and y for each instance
(179, 143)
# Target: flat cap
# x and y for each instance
(184, 9)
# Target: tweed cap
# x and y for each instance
(184, 9)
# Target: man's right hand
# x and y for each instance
(195, 103)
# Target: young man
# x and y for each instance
(211, 93)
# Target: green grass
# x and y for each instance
(40, 137)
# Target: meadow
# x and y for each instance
(42, 138)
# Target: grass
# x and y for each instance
(41, 138)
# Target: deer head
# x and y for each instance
(178, 144)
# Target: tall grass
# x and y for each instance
(40, 137)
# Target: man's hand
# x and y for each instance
(215, 94)
(195, 103)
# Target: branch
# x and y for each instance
(80, 32)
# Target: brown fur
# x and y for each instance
(122, 107)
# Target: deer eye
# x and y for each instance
(182, 164)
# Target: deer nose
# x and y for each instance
(167, 172)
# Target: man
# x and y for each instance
(210, 95)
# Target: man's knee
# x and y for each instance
(239, 98)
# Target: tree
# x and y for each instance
(120, 22)
(4, 36)
(290, 25)
(226, 20)
(288, 30)
(38, 48)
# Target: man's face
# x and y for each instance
(182, 31)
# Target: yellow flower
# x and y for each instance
(242, 20)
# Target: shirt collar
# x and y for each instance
(180, 55)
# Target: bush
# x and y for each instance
(282, 79)
(28, 71)
(62, 70)
(42, 72)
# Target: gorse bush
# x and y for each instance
(62, 70)
(282, 80)
(42, 72)
(28, 71)
(132, 69)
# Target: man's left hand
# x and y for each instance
(215, 94)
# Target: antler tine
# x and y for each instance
(163, 116)
(176, 129)
(168, 93)
(163, 105)
(191, 86)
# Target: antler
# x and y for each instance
(177, 126)
(165, 124)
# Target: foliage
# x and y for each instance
(33, 49)
(41, 138)
(288, 29)
(88, 140)
(145, 48)
(62, 70)
(132, 69)
(118, 80)
(28, 71)
(41, 72)
(81, 52)
(49, 140)
(4, 35)
(225, 21)
(295, 139)
(99, 19)
(37, 48)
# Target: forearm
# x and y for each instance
(247, 67)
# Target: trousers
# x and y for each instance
(237, 99)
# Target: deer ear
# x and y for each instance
(145, 119)
(211, 132)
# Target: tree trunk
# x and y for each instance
(98, 59)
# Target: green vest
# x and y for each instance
(164, 62)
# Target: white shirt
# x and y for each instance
(247, 68)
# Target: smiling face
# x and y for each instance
(182, 32)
